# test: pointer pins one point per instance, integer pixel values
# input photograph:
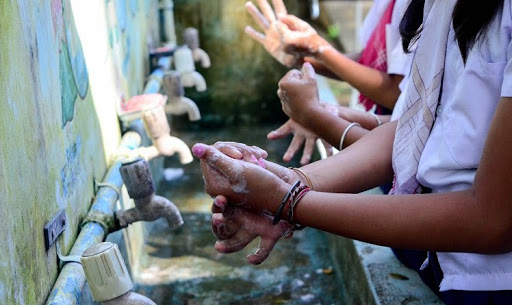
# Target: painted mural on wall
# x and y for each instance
(55, 121)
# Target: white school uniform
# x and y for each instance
(397, 60)
(470, 94)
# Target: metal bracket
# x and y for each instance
(54, 228)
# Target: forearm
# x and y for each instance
(405, 221)
(377, 85)
(362, 166)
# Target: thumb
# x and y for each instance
(308, 70)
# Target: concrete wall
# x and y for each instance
(64, 66)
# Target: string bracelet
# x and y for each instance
(379, 122)
(294, 200)
(303, 174)
(277, 217)
(346, 131)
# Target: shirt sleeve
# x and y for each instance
(398, 61)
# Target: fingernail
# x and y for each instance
(219, 203)
(216, 219)
(199, 150)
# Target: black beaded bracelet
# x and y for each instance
(277, 217)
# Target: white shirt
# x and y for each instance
(470, 95)
(398, 62)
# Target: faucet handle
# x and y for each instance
(106, 272)
(155, 122)
(137, 177)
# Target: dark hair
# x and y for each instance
(471, 19)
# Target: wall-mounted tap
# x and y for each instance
(177, 103)
(137, 177)
(191, 39)
(157, 128)
(184, 64)
(108, 277)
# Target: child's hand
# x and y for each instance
(235, 228)
(300, 38)
(240, 151)
(242, 183)
(301, 135)
(271, 40)
(298, 92)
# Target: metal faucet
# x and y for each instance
(137, 177)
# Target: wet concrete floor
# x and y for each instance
(182, 267)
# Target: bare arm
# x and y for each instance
(476, 220)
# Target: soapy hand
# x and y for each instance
(240, 151)
(300, 38)
(272, 39)
(298, 93)
(236, 227)
(242, 183)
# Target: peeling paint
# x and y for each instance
(68, 88)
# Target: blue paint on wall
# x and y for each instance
(121, 14)
(76, 54)
(71, 169)
(68, 89)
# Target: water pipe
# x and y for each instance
(154, 82)
(137, 177)
(191, 38)
(95, 227)
(177, 103)
(169, 32)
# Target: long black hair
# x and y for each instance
(471, 19)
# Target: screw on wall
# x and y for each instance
(54, 227)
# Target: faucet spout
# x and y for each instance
(177, 103)
(155, 121)
(137, 177)
(151, 208)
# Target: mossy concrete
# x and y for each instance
(60, 82)
(242, 81)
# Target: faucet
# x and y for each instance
(191, 38)
(184, 64)
(137, 177)
(108, 277)
(157, 128)
(177, 103)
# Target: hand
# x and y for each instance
(235, 228)
(240, 151)
(271, 40)
(300, 38)
(242, 183)
(298, 92)
(301, 136)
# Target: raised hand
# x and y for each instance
(300, 38)
(298, 92)
(236, 227)
(271, 39)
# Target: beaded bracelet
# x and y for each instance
(300, 192)
(277, 217)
